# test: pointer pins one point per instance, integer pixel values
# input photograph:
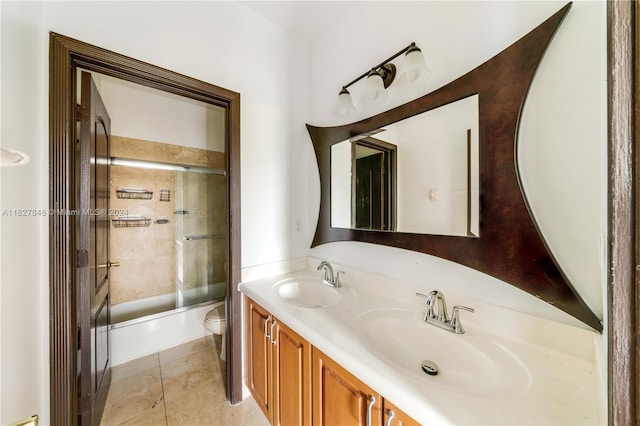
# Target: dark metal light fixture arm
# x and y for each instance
(380, 65)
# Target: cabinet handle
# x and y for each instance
(391, 416)
(265, 327)
(273, 341)
(372, 400)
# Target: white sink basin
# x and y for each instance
(306, 292)
(472, 363)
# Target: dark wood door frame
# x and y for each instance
(66, 55)
(624, 256)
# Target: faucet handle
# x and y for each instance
(430, 299)
(337, 283)
(455, 318)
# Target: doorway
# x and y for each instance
(373, 164)
(66, 57)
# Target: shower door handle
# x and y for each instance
(107, 265)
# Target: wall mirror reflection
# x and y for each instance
(418, 175)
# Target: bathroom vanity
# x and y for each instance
(355, 358)
(294, 382)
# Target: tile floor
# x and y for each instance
(183, 385)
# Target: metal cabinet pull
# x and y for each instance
(273, 341)
(372, 400)
(391, 416)
(265, 327)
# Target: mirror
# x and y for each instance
(418, 175)
(509, 246)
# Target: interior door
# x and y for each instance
(93, 253)
(370, 193)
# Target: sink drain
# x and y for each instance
(430, 367)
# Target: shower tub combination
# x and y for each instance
(146, 309)
(145, 326)
(150, 324)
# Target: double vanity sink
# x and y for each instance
(435, 375)
(474, 364)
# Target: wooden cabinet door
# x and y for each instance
(291, 375)
(339, 398)
(393, 416)
(259, 344)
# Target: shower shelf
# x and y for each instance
(137, 194)
(165, 194)
(131, 222)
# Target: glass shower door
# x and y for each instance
(200, 237)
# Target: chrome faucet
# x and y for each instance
(329, 278)
(436, 312)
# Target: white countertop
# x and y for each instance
(561, 388)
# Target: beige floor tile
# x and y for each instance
(202, 409)
(134, 367)
(155, 417)
(188, 348)
(197, 408)
(246, 413)
(192, 373)
(180, 386)
(133, 396)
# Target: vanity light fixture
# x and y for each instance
(380, 77)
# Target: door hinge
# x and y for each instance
(82, 258)
(81, 113)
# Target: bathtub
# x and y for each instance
(135, 309)
(144, 309)
(162, 326)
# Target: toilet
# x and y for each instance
(214, 322)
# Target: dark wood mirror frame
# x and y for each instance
(511, 246)
(65, 56)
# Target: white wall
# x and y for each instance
(23, 292)
(218, 42)
(142, 112)
(562, 131)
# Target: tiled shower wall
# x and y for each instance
(147, 255)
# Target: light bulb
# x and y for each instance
(344, 105)
(374, 89)
(414, 66)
